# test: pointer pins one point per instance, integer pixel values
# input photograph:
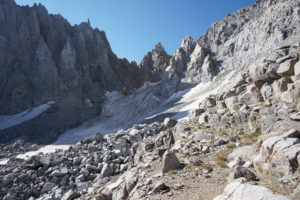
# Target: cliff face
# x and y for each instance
(252, 32)
(235, 42)
(43, 58)
(155, 63)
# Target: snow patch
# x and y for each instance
(43, 150)
(7, 121)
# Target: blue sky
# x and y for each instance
(133, 27)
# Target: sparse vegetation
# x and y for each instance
(170, 172)
(275, 173)
(193, 128)
(230, 145)
(251, 138)
(260, 169)
(182, 156)
(223, 132)
(206, 166)
(188, 166)
(222, 160)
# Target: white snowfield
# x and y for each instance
(121, 112)
(44, 150)
(7, 121)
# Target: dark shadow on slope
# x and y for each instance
(45, 129)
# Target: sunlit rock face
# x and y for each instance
(237, 41)
(155, 63)
(44, 58)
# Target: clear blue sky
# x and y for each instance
(133, 27)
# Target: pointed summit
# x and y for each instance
(188, 44)
(159, 46)
(159, 49)
(155, 63)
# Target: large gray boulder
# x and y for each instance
(107, 170)
(244, 191)
(287, 68)
(170, 161)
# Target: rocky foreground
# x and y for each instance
(241, 143)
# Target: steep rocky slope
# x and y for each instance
(75, 64)
(241, 139)
(43, 58)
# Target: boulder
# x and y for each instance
(210, 102)
(107, 170)
(237, 161)
(35, 162)
(107, 193)
(196, 112)
(70, 195)
(130, 181)
(170, 161)
(169, 122)
(263, 71)
(232, 103)
(202, 135)
(287, 68)
(220, 142)
(160, 186)
(203, 118)
(280, 86)
(47, 187)
(288, 97)
(244, 191)
(295, 116)
(241, 171)
(266, 91)
(251, 96)
(58, 173)
(297, 70)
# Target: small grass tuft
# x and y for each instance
(251, 138)
(206, 166)
(172, 171)
(230, 145)
(222, 160)
(182, 156)
(223, 132)
(188, 166)
(222, 164)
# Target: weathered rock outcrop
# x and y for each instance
(155, 63)
(237, 41)
(43, 58)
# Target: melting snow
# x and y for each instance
(44, 150)
(121, 112)
(7, 121)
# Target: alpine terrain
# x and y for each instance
(219, 119)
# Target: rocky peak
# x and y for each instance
(159, 47)
(155, 63)
(43, 58)
(237, 40)
(188, 44)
